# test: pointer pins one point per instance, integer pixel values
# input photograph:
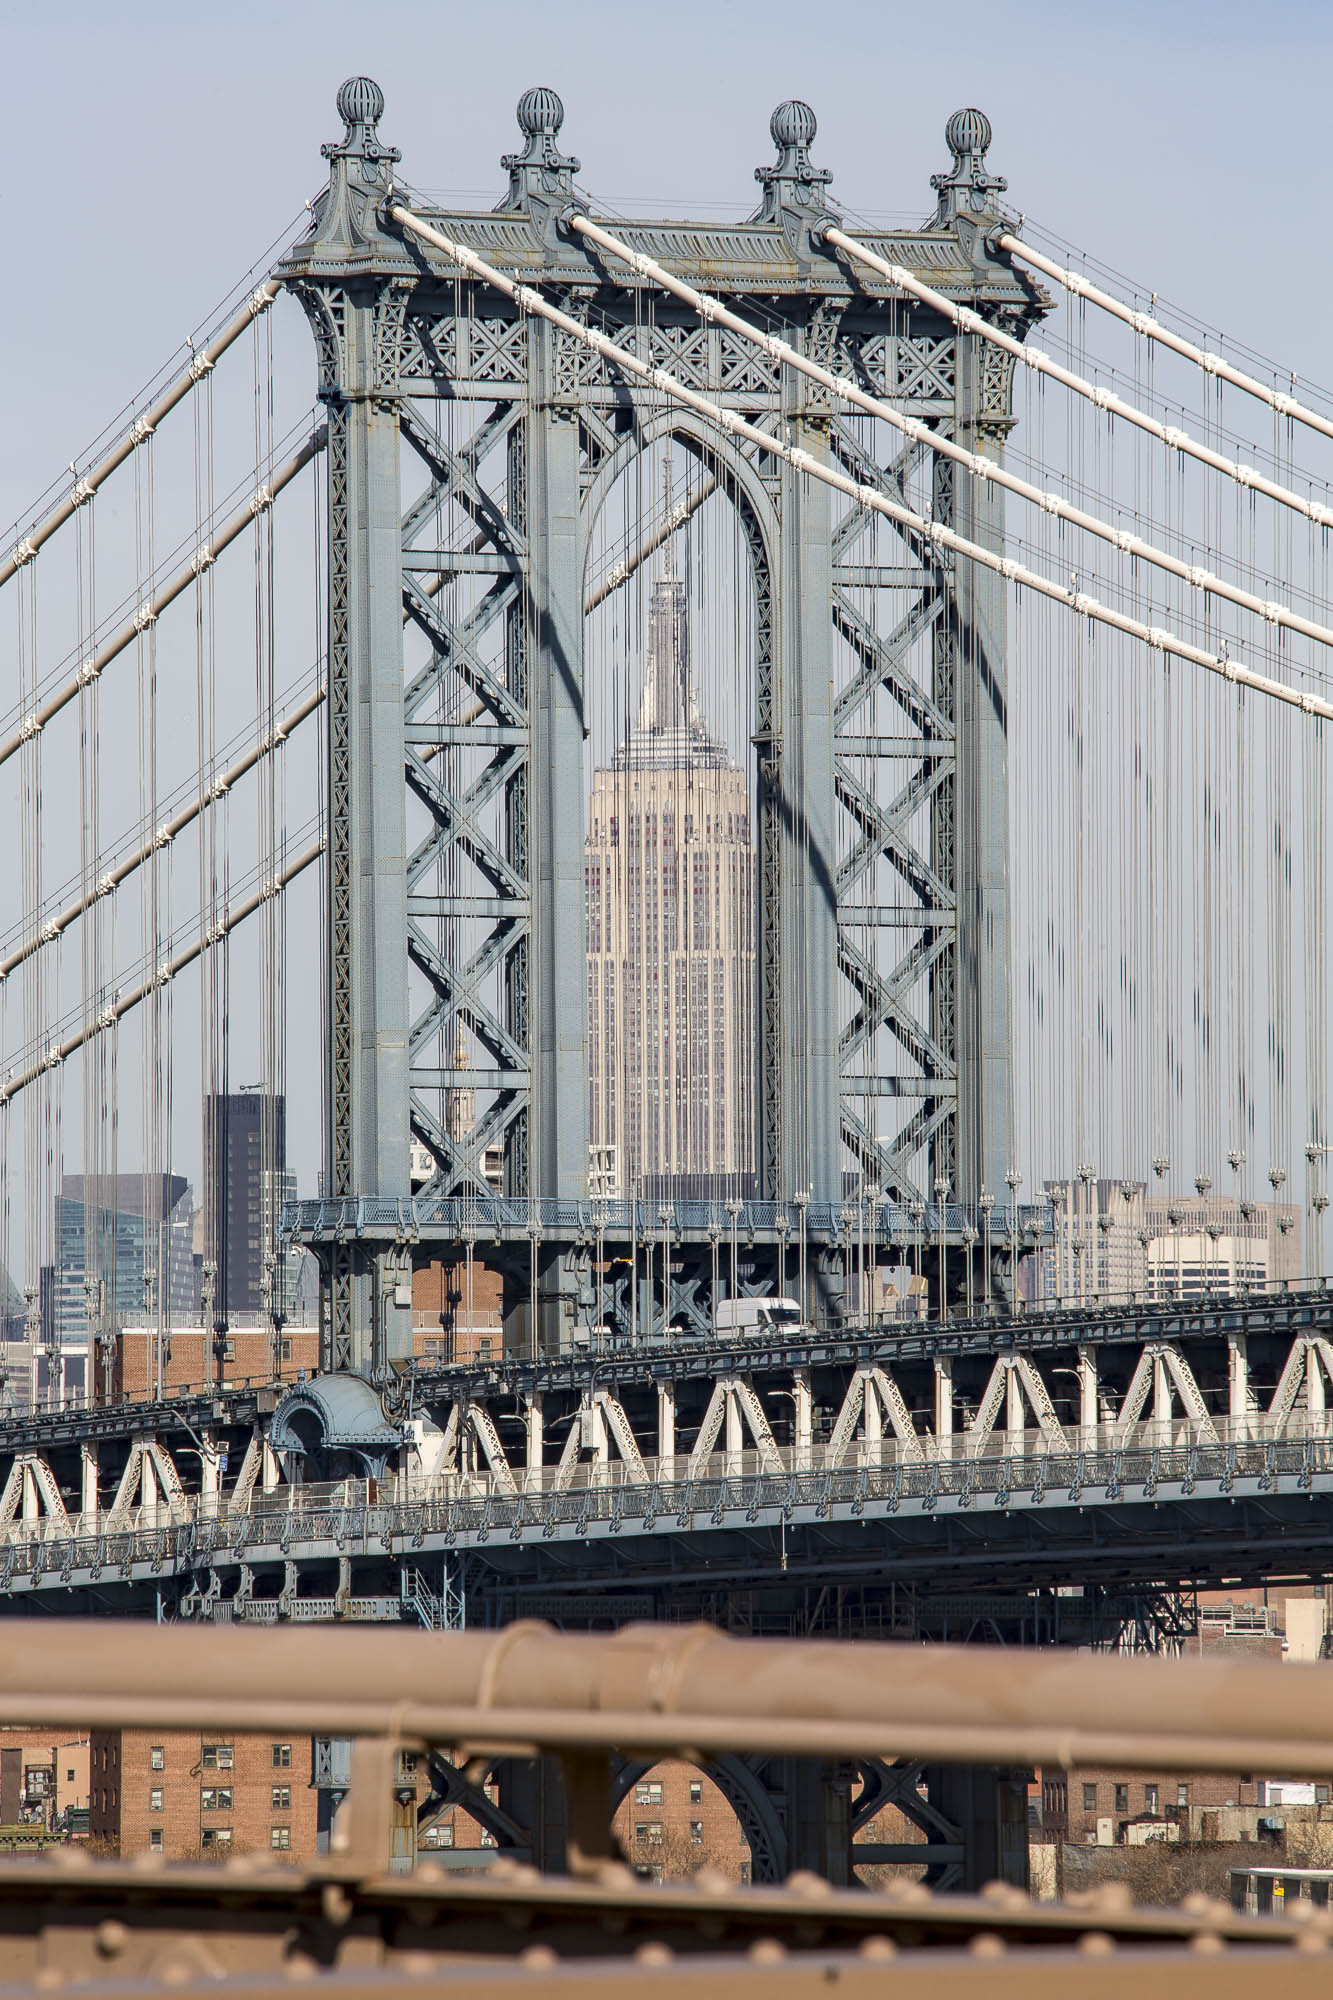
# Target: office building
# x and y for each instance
(246, 1185)
(1119, 1239)
(670, 881)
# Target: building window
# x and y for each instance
(69, 1777)
(1122, 1798)
(280, 1837)
(1182, 1795)
(648, 1832)
(218, 1756)
(282, 1756)
(649, 1793)
(282, 1798)
(1089, 1798)
(155, 1801)
(155, 1837)
(697, 1832)
(215, 1836)
(1150, 1798)
(696, 1791)
(215, 1798)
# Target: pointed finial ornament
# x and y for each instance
(793, 185)
(541, 170)
(967, 185)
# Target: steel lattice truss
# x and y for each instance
(472, 448)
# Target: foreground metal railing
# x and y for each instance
(646, 1693)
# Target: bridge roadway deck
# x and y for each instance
(1139, 1446)
(1176, 1509)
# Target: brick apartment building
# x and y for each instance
(675, 1821)
(192, 1364)
(44, 1776)
(1112, 1808)
(456, 1316)
(184, 1795)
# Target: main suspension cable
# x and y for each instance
(1041, 363)
(1152, 329)
(203, 558)
(980, 467)
(161, 975)
(142, 428)
(866, 496)
(162, 836)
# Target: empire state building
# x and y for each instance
(669, 871)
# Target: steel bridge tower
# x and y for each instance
(471, 447)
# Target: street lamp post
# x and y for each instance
(941, 1222)
(918, 1210)
(1013, 1180)
(873, 1195)
(986, 1204)
(734, 1211)
(801, 1199)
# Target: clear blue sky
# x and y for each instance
(154, 149)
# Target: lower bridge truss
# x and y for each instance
(1056, 1449)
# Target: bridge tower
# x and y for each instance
(471, 447)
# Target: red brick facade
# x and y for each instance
(183, 1795)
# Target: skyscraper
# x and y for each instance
(669, 873)
(246, 1183)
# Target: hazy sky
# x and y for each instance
(154, 150)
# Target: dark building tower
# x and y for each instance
(246, 1182)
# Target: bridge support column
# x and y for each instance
(802, 904)
(210, 1473)
(802, 1417)
(973, 651)
(666, 1429)
(557, 1162)
(943, 1399)
(818, 1818)
(988, 1805)
(353, 280)
(535, 1427)
(1088, 1411)
(88, 1482)
(1238, 1378)
(532, 1795)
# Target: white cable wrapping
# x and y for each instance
(867, 496)
(142, 427)
(1041, 363)
(1152, 329)
(148, 614)
(973, 462)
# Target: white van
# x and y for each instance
(756, 1318)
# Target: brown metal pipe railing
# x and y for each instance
(688, 1689)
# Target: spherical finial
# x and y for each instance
(968, 131)
(793, 124)
(540, 110)
(360, 101)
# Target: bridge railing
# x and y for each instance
(396, 1507)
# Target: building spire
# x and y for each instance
(668, 503)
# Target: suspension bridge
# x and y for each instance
(699, 765)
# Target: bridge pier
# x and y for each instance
(987, 1804)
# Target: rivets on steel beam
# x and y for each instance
(767, 1951)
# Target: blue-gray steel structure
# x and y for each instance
(456, 841)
